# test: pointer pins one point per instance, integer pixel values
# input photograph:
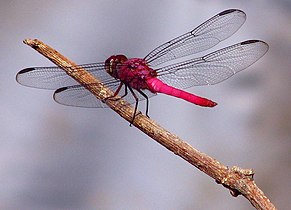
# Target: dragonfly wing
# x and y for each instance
(80, 96)
(77, 95)
(55, 77)
(205, 36)
(214, 67)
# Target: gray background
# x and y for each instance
(58, 157)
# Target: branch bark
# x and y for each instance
(238, 181)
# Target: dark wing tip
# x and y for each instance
(253, 41)
(250, 42)
(264, 47)
(56, 93)
(60, 90)
(225, 12)
(23, 71)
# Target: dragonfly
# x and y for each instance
(145, 77)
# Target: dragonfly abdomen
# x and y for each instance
(157, 86)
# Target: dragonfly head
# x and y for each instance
(112, 62)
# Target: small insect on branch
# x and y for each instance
(238, 181)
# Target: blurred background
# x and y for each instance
(58, 157)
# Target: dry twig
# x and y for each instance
(237, 180)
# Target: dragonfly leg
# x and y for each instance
(125, 92)
(136, 104)
(147, 100)
(115, 93)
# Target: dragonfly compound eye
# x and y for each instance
(112, 62)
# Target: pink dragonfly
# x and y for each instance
(143, 80)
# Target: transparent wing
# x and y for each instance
(205, 36)
(54, 77)
(214, 67)
(80, 96)
(69, 92)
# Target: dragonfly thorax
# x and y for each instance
(135, 72)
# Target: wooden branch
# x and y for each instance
(237, 180)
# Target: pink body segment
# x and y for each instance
(137, 74)
(157, 86)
